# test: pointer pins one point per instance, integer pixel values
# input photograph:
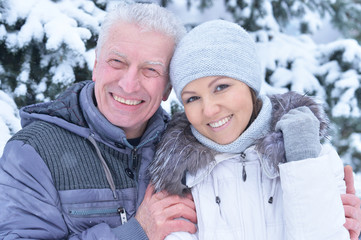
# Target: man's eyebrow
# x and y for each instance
(119, 54)
(164, 68)
(147, 62)
(154, 63)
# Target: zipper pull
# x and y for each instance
(123, 215)
(244, 173)
(218, 200)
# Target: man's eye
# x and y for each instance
(221, 87)
(191, 99)
(150, 72)
(116, 63)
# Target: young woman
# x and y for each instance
(254, 164)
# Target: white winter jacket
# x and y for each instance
(255, 194)
(303, 203)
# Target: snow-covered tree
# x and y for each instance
(9, 119)
(331, 72)
(45, 45)
(346, 18)
(277, 15)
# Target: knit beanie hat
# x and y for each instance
(215, 48)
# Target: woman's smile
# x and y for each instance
(220, 108)
(221, 122)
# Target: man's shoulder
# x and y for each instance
(66, 107)
(40, 132)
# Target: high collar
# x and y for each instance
(75, 110)
(98, 124)
(259, 127)
(106, 130)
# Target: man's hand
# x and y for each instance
(351, 204)
(161, 214)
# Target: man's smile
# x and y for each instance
(126, 101)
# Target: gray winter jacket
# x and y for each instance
(71, 174)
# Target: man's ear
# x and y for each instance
(167, 91)
(94, 67)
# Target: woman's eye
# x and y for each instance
(221, 87)
(191, 99)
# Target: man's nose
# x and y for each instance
(130, 80)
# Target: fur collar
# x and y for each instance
(179, 151)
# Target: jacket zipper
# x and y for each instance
(133, 171)
(244, 178)
(134, 160)
(135, 165)
(244, 173)
(122, 214)
(102, 211)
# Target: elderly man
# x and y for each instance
(77, 169)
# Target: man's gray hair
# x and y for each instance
(148, 16)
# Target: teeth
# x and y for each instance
(220, 123)
(126, 101)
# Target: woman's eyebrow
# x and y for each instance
(214, 80)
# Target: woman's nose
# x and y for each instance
(210, 107)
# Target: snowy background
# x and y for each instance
(45, 45)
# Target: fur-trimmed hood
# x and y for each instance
(179, 151)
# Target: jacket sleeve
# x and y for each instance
(181, 236)
(30, 204)
(311, 192)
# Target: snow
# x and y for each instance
(20, 90)
(352, 50)
(62, 73)
(90, 58)
(294, 60)
(295, 65)
(2, 31)
(193, 17)
(268, 22)
(58, 21)
(357, 179)
(9, 119)
(326, 34)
